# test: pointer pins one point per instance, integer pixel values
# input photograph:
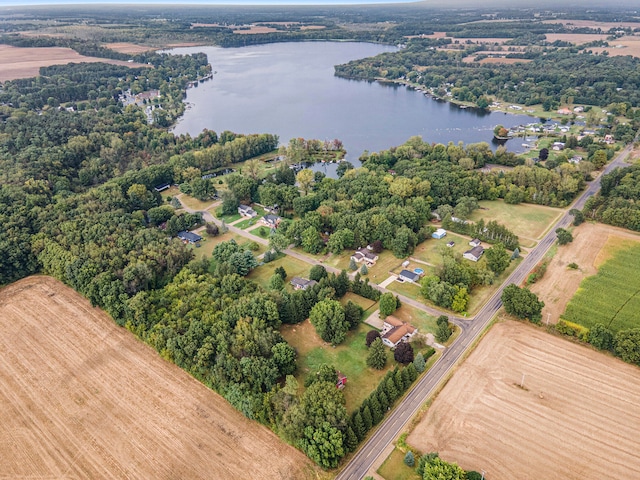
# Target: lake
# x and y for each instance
(289, 89)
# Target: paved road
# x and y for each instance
(362, 461)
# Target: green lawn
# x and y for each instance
(208, 244)
(394, 468)
(418, 318)
(367, 305)
(430, 250)
(194, 203)
(408, 289)
(377, 273)
(293, 267)
(262, 232)
(612, 296)
(170, 192)
(525, 220)
(217, 212)
(349, 357)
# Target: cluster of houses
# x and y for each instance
(477, 250)
(366, 256)
(270, 220)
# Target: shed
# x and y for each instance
(439, 233)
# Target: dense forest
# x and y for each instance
(618, 202)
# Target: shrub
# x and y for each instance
(409, 459)
(403, 353)
(573, 266)
(371, 336)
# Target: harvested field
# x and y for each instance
(575, 38)
(574, 419)
(594, 24)
(621, 46)
(125, 47)
(82, 398)
(17, 62)
(506, 61)
(592, 245)
(253, 29)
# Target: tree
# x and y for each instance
(601, 337)
(419, 362)
(403, 353)
(578, 216)
(363, 269)
(522, 303)
(443, 333)
(628, 345)
(497, 258)
(371, 336)
(358, 426)
(278, 242)
(312, 241)
(324, 445)
(281, 271)
(212, 229)
(409, 459)
(438, 469)
(329, 321)
(460, 299)
(564, 236)
(284, 356)
(230, 203)
(276, 282)
(388, 304)
(353, 314)
(317, 273)
(377, 357)
(350, 440)
(305, 180)
(353, 265)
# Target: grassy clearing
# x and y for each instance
(194, 203)
(377, 273)
(429, 250)
(411, 290)
(293, 267)
(217, 212)
(350, 358)
(208, 244)
(394, 468)
(422, 320)
(262, 232)
(170, 192)
(612, 296)
(525, 220)
(366, 304)
(480, 295)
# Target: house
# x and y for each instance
(272, 209)
(439, 233)
(247, 211)
(474, 254)
(558, 146)
(578, 109)
(366, 256)
(575, 159)
(395, 331)
(271, 220)
(608, 139)
(409, 276)
(451, 244)
(564, 111)
(300, 283)
(475, 242)
(189, 237)
(162, 187)
(342, 380)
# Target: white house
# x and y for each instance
(300, 283)
(271, 220)
(474, 254)
(439, 233)
(475, 242)
(365, 255)
(395, 331)
(247, 211)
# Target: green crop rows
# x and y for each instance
(612, 296)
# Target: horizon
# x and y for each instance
(25, 3)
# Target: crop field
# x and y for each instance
(18, 62)
(612, 296)
(126, 47)
(525, 220)
(81, 397)
(622, 46)
(575, 38)
(350, 357)
(573, 418)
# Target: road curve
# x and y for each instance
(391, 427)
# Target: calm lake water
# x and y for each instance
(289, 89)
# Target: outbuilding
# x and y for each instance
(439, 233)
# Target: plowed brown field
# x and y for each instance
(82, 398)
(577, 417)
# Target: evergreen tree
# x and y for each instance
(409, 459)
(376, 411)
(406, 379)
(391, 390)
(358, 426)
(419, 363)
(377, 357)
(413, 373)
(383, 399)
(397, 378)
(353, 265)
(351, 440)
(367, 418)
(363, 269)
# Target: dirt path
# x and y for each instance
(560, 283)
(576, 417)
(83, 398)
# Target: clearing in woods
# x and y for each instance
(574, 419)
(81, 397)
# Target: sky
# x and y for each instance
(14, 3)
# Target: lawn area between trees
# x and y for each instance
(293, 267)
(527, 221)
(350, 358)
(208, 243)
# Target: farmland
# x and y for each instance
(82, 398)
(572, 419)
(612, 296)
(18, 62)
